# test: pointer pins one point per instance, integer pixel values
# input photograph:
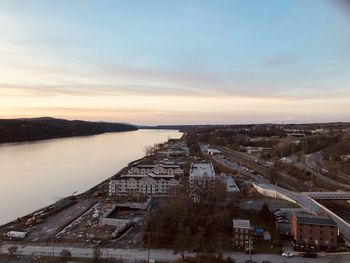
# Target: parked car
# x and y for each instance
(287, 254)
(281, 218)
(280, 215)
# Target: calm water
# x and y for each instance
(36, 174)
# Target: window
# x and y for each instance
(321, 232)
(301, 237)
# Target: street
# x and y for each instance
(130, 255)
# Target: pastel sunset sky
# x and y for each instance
(176, 62)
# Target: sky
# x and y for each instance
(176, 62)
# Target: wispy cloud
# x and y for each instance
(280, 60)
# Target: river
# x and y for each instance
(36, 174)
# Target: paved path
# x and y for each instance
(47, 229)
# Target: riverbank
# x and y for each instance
(37, 174)
(35, 129)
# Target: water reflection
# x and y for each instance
(38, 173)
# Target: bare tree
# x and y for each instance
(65, 255)
(97, 254)
(13, 250)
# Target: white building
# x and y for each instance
(231, 186)
(162, 169)
(201, 174)
(150, 180)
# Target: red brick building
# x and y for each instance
(314, 230)
(241, 233)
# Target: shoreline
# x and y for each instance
(89, 191)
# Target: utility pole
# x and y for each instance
(53, 244)
(250, 248)
(148, 252)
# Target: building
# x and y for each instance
(311, 230)
(257, 151)
(201, 175)
(148, 180)
(231, 186)
(241, 233)
(160, 169)
(212, 151)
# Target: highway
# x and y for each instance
(315, 162)
(166, 255)
(340, 207)
(283, 179)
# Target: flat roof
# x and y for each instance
(315, 220)
(231, 185)
(241, 223)
(202, 169)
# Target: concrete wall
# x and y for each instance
(119, 223)
(141, 206)
(272, 193)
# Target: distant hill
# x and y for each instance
(19, 130)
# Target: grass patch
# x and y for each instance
(267, 249)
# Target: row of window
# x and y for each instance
(321, 239)
(245, 237)
(312, 231)
(240, 243)
(241, 230)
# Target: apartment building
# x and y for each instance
(241, 233)
(311, 230)
(161, 169)
(149, 180)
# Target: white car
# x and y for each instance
(287, 254)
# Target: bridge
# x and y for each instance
(329, 195)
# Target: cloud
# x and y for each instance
(29, 74)
(279, 60)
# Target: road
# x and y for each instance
(130, 255)
(48, 228)
(283, 179)
(315, 162)
(311, 166)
